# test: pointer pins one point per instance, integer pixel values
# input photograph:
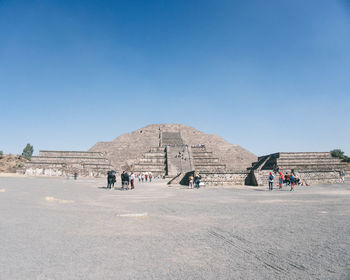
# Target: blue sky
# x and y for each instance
(267, 75)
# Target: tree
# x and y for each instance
(28, 151)
(340, 154)
(337, 153)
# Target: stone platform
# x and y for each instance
(309, 167)
(63, 163)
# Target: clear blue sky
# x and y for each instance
(267, 75)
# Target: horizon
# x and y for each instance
(269, 77)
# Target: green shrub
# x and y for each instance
(28, 151)
(340, 154)
(337, 153)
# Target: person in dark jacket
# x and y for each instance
(126, 180)
(109, 179)
(122, 179)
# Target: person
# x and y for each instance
(190, 184)
(139, 176)
(126, 180)
(143, 177)
(109, 180)
(281, 179)
(122, 179)
(287, 179)
(197, 178)
(150, 177)
(292, 181)
(132, 180)
(75, 175)
(270, 178)
(146, 177)
(342, 175)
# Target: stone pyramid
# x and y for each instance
(131, 149)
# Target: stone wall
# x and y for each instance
(232, 178)
(224, 178)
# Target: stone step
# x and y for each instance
(150, 160)
(324, 166)
(149, 169)
(307, 161)
(205, 160)
(70, 154)
(154, 154)
(68, 159)
(306, 155)
(157, 149)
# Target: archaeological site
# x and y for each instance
(176, 151)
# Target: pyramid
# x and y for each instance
(171, 148)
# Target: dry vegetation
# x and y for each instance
(9, 163)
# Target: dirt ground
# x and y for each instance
(54, 228)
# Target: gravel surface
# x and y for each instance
(53, 228)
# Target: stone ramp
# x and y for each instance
(171, 139)
(178, 160)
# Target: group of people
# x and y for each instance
(194, 181)
(145, 177)
(289, 179)
(127, 180)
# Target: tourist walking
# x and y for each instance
(197, 179)
(292, 181)
(150, 177)
(271, 178)
(132, 180)
(281, 179)
(190, 183)
(146, 177)
(342, 176)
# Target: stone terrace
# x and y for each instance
(310, 167)
(60, 163)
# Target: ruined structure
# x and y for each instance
(177, 151)
(311, 167)
(169, 149)
(62, 163)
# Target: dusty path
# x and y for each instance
(63, 229)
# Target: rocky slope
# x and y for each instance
(10, 163)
